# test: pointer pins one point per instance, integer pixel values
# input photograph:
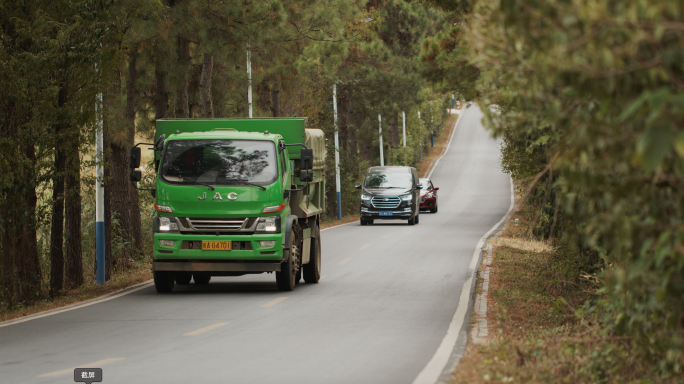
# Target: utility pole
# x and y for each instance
(382, 156)
(338, 185)
(249, 76)
(99, 197)
(403, 125)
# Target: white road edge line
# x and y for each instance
(109, 296)
(434, 368)
(451, 137)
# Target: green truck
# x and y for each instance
(235, 197)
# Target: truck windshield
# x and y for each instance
(389, 179)
(219, 162)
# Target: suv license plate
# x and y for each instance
(385, 213)
(216, 245)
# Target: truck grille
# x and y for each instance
(385, 202)
(216, 224)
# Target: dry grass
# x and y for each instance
(333, 222)
(539, 331)
(88, 291)
(441, 141)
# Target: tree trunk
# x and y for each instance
(205, 86)
(275, 100)
(74, 255)
(161, 97)
(110, 263)
(353, 147)
(394, 130)
(182, 108)
(265, 94)
(57, 227)
(21, 274)
(136, 222)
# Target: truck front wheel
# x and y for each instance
(288, 269)
(312, 271)
(163, 281)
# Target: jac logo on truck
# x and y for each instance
(217, 196)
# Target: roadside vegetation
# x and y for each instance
(587, 97)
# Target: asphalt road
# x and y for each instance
(387, 296)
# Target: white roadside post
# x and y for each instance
(382, 155)
(249, 76)
(403, 125)
(99, 197)
(338, 184)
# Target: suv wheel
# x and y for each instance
(364, 222)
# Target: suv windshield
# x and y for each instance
(219, 162)
(389, 179)
(425, 183)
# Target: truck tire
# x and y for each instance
(312, 271)
(163, 281)
(183, 278)
(288, 269)
(201, 279)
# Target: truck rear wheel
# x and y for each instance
(312, 271)
(183, 278)
(288, 269)
(163, 281)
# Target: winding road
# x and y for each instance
(384, 311)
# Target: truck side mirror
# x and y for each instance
(306, 176)
(135, 158)
(307, 158)
(159, 145)
(135, 176)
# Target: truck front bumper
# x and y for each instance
(178, 252)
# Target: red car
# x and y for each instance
(428, 196)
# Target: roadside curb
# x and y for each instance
(66, 308)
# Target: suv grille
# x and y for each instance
(385, 202)
(216, 224)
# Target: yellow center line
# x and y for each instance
(365, 246)
(386, 236)
(205, 329)
(95, 364)
(274, 302)
(345, 261)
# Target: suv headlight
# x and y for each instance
(365, 197)
(269, 224)
(406, 197)
(168, 224)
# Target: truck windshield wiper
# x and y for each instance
(391, 187)
(247, 182)
(198, 182)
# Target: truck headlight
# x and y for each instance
(167, 224)
(365, 197)
(269, 224)
(406, 197)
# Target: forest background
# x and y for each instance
(66, 65)
(586, 94)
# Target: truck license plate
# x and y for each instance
(216, 245)
(385, 213)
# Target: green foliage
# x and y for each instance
(592, 91)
